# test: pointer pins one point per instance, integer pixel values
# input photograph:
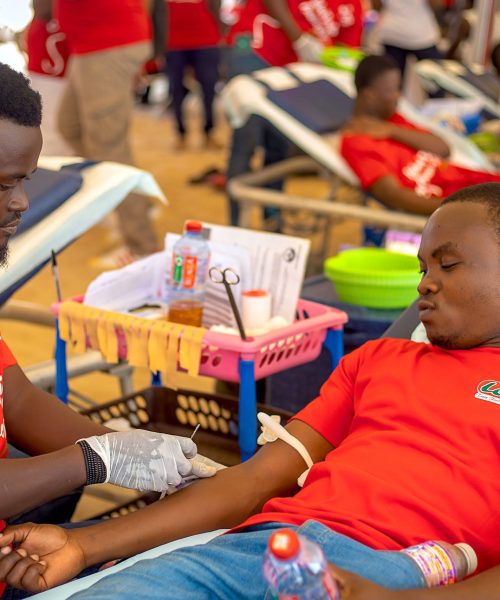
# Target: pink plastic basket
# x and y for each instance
(273, 352)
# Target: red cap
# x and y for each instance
(284, 544)
(193, 226)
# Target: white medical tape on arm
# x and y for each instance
(289, 439)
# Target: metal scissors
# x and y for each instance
(228, 277)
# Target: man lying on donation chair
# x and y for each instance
(404, 437)
(35, 421)
(402, 165)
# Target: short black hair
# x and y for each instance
(487, 194)
(372, 67)
(19, 102)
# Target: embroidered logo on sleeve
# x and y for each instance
(488, 390)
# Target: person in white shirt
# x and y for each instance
(408, 27)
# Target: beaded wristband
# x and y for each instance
(94, 465)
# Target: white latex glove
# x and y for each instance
(144, 460)
(308, 48)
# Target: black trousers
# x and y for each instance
(205, 63)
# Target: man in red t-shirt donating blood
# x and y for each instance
(404, 166)
(404, 443)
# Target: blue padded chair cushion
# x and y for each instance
(46, 191)
(318, 105)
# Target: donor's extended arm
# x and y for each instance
(418, 139)
(223, 501)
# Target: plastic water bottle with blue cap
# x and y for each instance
(296, 568)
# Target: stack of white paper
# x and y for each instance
(142, 282)
(272, 262)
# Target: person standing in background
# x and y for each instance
(193, 39)
(109, 42)
(273, 33)
(48, 55)
(409, 27)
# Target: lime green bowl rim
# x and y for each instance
(337, 263)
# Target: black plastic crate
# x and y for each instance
(179, 412)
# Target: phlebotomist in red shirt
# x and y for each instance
(193, 38)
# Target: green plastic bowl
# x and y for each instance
(374, 277)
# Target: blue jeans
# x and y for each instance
(230, 567)
(256, 132)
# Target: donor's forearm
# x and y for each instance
(222, 501)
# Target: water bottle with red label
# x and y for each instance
(188, 276)
(296, 568)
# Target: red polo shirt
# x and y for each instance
(47, 48)
(425, 173)
(416, 431)
(191, 25)
(332, 21)
(93, 25)
(6, 360)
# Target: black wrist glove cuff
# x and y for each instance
(94, 465)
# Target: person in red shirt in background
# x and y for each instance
(193, 39)
(48, 55)
(47, 47)
(403, 166)
(275, 33)
(280, 32)
(109, 42)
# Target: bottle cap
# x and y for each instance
(193, 226)
(284, 544)
(470, 556)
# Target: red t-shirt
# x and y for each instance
(191, 25)
(93, 25)
(425, 173)
(6, 360)
(416, 431)
(332, 21)
(47, 48)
